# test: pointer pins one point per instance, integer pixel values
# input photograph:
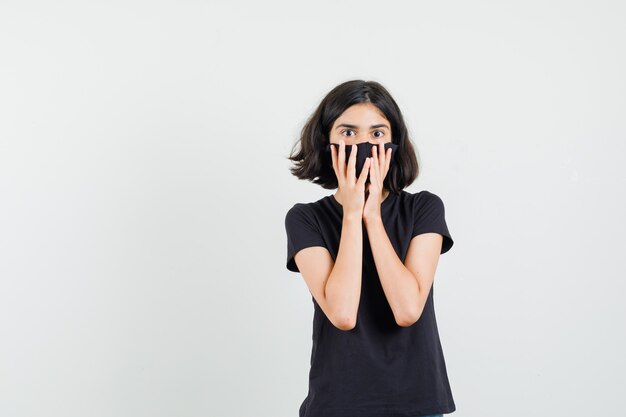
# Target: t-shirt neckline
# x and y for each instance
(384, 204)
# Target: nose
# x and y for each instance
(361, 137)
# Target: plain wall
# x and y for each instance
(144, 185)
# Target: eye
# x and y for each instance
(347, 130)
(381, 133)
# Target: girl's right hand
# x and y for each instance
(352, 190)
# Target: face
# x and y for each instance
(359, 123)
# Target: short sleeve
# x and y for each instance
(302, 232)
(429, 216)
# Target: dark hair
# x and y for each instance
(311, 159)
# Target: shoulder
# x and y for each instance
(303, 212)
(425, 197)
(308, 207)
(298, 211)
(426, 203)
(429, 216)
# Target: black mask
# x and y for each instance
(364, 150)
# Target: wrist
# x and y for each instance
(355, 217)
(373, 219)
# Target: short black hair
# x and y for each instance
(311, 158)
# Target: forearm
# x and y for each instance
(343, 288)
(401, 287)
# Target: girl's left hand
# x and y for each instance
(377, 171)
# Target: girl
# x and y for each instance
(368, 254)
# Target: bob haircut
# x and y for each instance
(312, 161)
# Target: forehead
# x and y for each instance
(365, 113)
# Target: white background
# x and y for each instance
(144, 184)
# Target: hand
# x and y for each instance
(377, 171)
(351, 189)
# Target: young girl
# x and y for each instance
(368, 254)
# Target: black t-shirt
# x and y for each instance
(378, 368)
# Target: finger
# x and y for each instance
(374, 158)
(342, 158)
(380, 158)
(383, 157)
(383, 163)
(374, 173)
(352, 165)
(364, 172)
(388, 161)
(333, 156)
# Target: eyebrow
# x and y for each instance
(356, 127)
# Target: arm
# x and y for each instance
(336, 286)
(406, 286)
